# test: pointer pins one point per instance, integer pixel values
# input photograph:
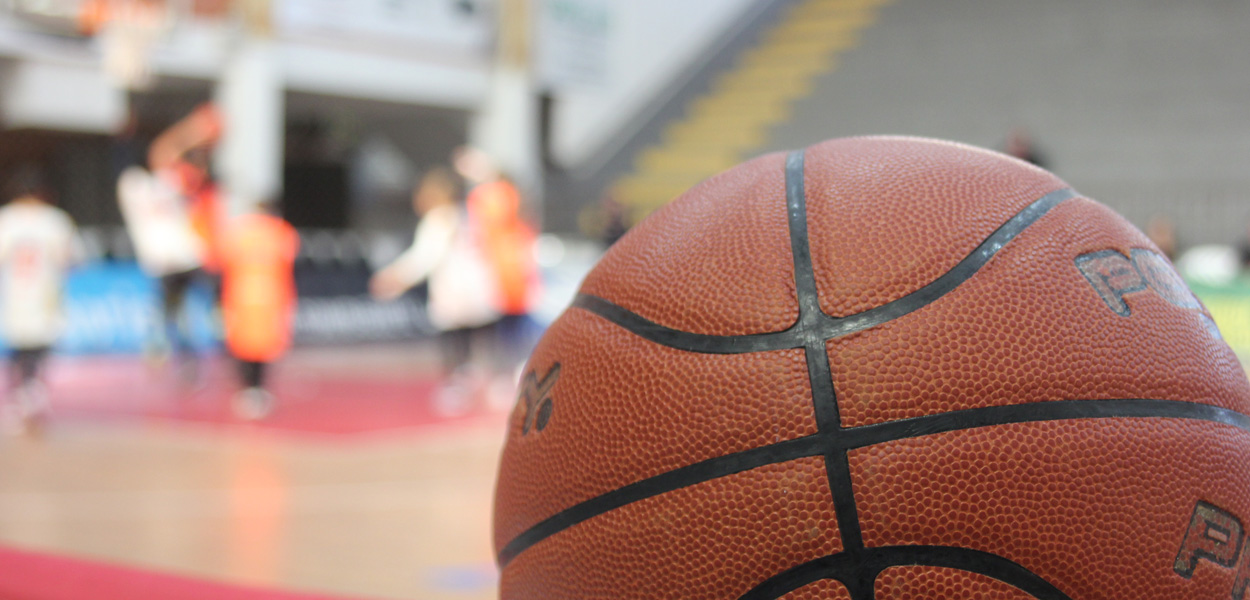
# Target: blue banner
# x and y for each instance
(113, 307)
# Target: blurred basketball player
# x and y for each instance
(173, 218)
(494, 204)
(507, 240)
(258, 301)
(462, 288)
(36, 251)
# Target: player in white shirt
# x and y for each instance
(157, 208)
(36, 251)
(158, 223)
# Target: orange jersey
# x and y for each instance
(258, 286)
(507, 241)
(206, 221)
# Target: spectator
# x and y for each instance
(1162, 231)
(1020, 145)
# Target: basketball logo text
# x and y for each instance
(536, 394)
(1114, 276)
(1215, 535)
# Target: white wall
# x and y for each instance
(341, 72)
(418, 72)
(59, 95)
(54, 83)
(650, 42)
(407, 51)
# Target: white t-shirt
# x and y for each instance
(158, 223)
(36, 251)
(462, 287)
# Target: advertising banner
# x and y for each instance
(571, 47)
(114, 308)
(458, 26)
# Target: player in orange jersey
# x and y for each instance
(506, 240)
(257, 301)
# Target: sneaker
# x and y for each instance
(502, 393)
(456, 395)
(31, 400)
(26, 411)
(253, 404)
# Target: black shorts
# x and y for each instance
(26, 361)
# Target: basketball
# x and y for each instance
(879, 368)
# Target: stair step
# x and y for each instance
(735, 107)
(798, 49)
(781, 82)
(778, 70)
(761, 91)
(815, 28)
(730, 135)
(821, 8)
(814, 59)
(680, 160)
(714, 133)
(736, 114)
(649, 194)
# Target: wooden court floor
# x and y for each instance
(398, 513)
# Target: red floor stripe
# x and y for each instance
(125, 389)
(32, 576)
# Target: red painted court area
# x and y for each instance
(369, 480)
(320, 392)
(35, 576)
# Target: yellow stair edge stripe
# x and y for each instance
(779, 70)
(735, 115)
(753, 83)
(796, 46)
(684, 162)
(820, 27)
(810, 59)
(731, 108)
(697, 134)
(813, 10)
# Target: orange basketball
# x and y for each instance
(879, 368)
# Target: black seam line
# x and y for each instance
(820, 378)
(837, 468)
(800, 246)
(867, 435)
(1057, 410)
(824, 400)
(858, 571)
(828, 327)
(845, 509)
(666, 482)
